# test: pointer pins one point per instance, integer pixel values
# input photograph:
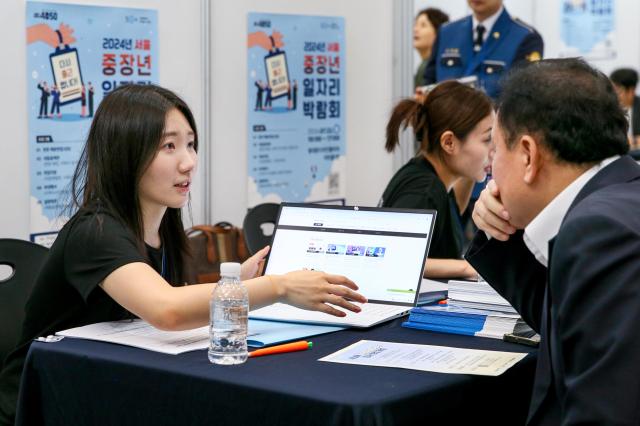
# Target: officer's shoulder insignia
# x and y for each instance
(524, 25)
(533, 56)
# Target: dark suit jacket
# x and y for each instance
(586, 306)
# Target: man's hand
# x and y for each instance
(490, 215)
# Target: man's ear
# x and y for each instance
(531, 157)
(449, 142)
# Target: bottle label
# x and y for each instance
(236, 314)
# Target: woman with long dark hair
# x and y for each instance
(122, 253)
(453, 125)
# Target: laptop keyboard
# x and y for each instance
(371, 313)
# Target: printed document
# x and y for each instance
(140, 334)
(439, 359)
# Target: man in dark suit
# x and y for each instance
(625, 81)
(562, 212)
(485, 44)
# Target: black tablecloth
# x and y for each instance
(81, 382)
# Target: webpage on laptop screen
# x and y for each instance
(382, 252)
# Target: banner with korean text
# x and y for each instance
(588, 29)
(75, 56)
(296, 108)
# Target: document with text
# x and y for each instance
(438, 359)
(140, 334)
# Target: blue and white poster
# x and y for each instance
(75, 56)
(296, 86)
(588, 29)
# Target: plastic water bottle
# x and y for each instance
(228, 313)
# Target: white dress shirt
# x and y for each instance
(545, 226)
(487, 24)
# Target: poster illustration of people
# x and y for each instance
(296, 137)
(75, 56)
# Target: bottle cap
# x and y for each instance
(230, 268)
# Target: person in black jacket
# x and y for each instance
(559, 239)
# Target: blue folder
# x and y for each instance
(455, 320)
(264, 333)
(446, 317)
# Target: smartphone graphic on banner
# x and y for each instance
(65, 65)
(277, 73)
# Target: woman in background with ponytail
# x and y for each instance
(454, 126)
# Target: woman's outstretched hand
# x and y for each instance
(317, 291)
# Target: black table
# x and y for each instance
(82, 382)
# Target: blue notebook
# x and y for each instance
(467, 331)
(455, 320)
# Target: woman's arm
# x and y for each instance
(449, 268)
(141, 290)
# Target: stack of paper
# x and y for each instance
(477, 295)
(474, 309)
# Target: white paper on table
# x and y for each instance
(439, 359)
(140, 334)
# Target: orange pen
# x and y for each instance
(302, 345)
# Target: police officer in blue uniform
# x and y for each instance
(485, 44)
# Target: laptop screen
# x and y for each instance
(382, 250)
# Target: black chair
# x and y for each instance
(25, 260)
(258, 225)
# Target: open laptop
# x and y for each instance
(382, 250)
